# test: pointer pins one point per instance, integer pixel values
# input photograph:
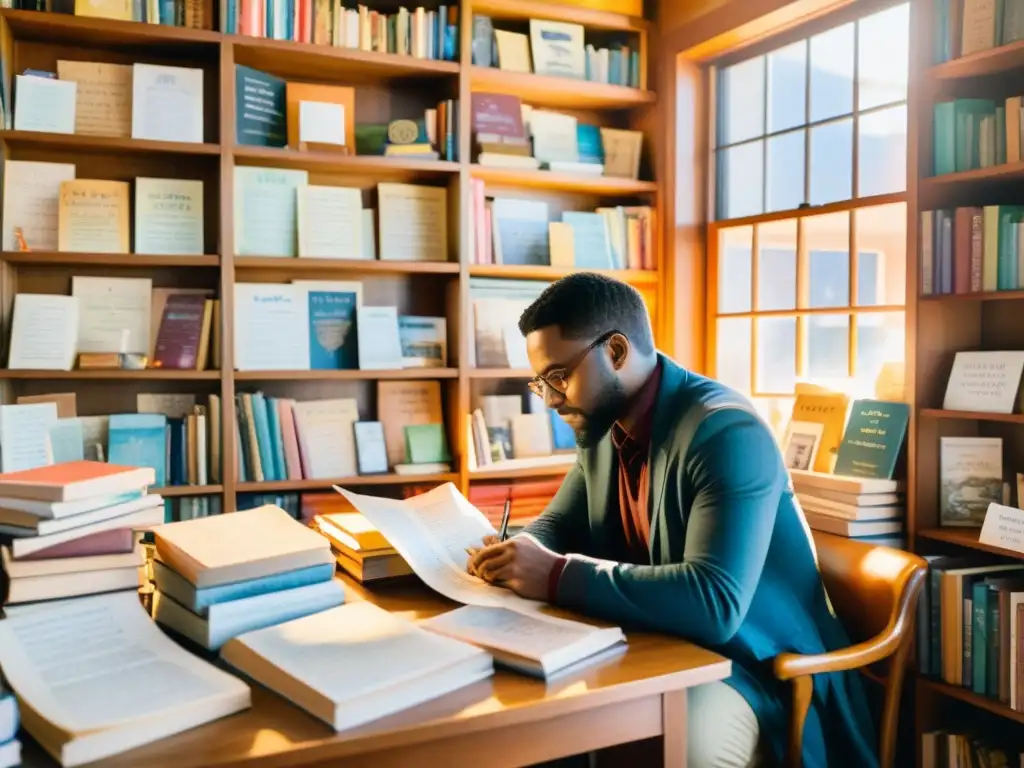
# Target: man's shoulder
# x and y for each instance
(703, 407)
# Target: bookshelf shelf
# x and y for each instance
(150, 374)
(177, 491)
(323, 62)
(939, 413)
(984, 296)
(635, 277)
(965, 537)
(520, 472)
(1001, 174)
(78, 30)
(594, 185)
(133, 260)
(375, 165)
(991, 62)
(347, 265)
(537, 9)
(286, 486)
(994, 706)
(500, 373)
(558, 92)
(66, 142)
(404, 374)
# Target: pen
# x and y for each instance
(503, 532)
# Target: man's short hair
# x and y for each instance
(585, 305)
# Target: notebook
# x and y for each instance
(356, 663)
(534, 644)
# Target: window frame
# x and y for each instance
(801, 311)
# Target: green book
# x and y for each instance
(426, 444)
(873, 438)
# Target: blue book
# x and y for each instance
(139, 440)
(591, 148)
(199, 600)
(592, 247)
(66, 441)
(332, 337)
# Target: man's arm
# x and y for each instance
(737, 477)
(562, 526)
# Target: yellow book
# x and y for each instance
(828, 409)
(121, 10)
(354, 531)
(93, 216)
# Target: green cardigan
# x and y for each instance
(733, 564)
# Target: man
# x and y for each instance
(678, 517)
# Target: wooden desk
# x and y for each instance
(508, 720)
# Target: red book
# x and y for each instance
(74, 480)
(181, 330)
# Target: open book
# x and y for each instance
(355, 663)
(432, 532)
(537, 645)
(95, 677)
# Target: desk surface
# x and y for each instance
(275, 733)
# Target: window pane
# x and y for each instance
(883, 44)
(732, 363)
(880, 339)
(734, 267)
(776, 265)
(832, 162)
(742, 115)
(785, 171)
(882, 160)
(776, 354)
(787, 87)
(741, 180)
(832, 73)
(827, 241)
(828, 346)
(881, 254)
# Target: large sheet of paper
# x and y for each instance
(432, 532)
(99, 662)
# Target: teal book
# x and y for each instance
(981, 594)
(139, 440)
(332, 337)
(260, 100)
(259, 412)
(873, 439)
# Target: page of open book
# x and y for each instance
(432, 532)
(100, 662)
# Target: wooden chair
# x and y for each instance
(874, 592)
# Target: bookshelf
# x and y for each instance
(940, 325)
(385, 83)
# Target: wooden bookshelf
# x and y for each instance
(388, 86)
(939, 326)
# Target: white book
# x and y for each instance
(536, 644)
(55, 566)
(379, 342)
(222, 549)
(356, 663)
(96, 677)
(224, 621)
(853, 528)
(266, 211)
(271, 327)
(113, 313)
(141, 520)
(849, 511)
(31, 202)
(327, 437)
(44, 332)
(58, 586)
(807, 479)
(330, 222)
(44, 104)
(167, 103)
(29, 525)
(169, 216)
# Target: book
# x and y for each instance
(96, 677)
(223, 549)
(356, 663)
(534, 644)
(74, 481)
(58, 586)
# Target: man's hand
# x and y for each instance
(522, 564)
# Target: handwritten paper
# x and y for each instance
(32, 201)
(1004, 528)
(984, 381)
(93, 216)
(103, 101)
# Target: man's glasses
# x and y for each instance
(557, 380)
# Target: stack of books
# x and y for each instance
(870, 509)
(360, 549)
(71, 529)
(218, 577)
(10, 747)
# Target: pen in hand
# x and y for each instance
(503, 531)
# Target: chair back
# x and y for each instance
(873, 591)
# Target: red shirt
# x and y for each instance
(634, 452)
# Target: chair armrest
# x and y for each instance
(790, 665)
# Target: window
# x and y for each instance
(808, 250)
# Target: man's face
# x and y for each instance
(588, 393)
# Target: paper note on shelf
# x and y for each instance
(1003, 528)
(432, 532)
